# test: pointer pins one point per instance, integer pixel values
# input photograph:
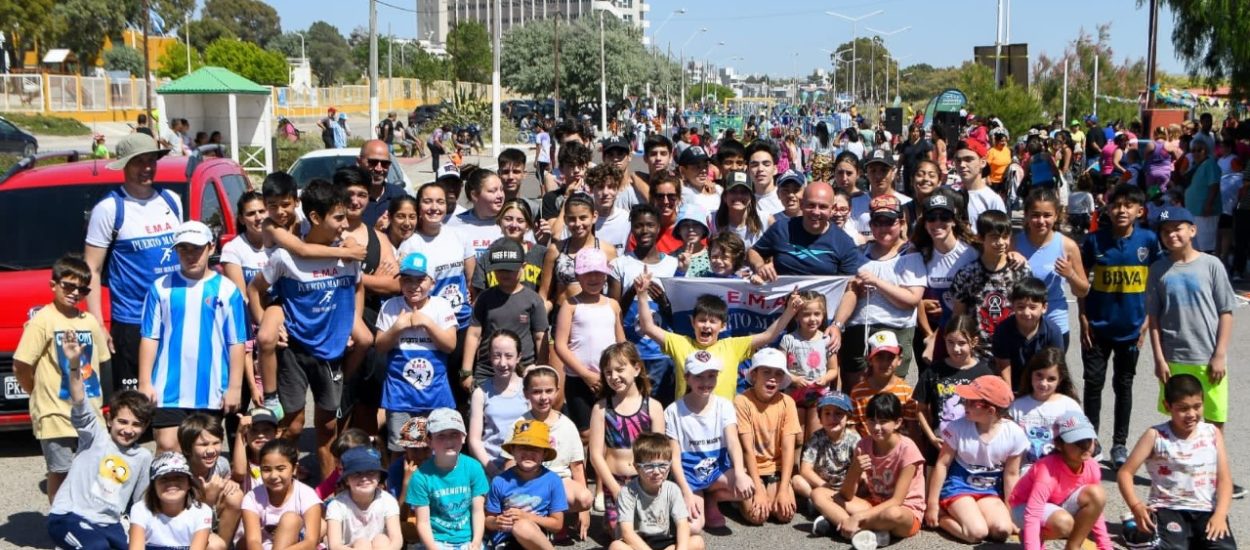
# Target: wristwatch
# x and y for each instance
(841, 326)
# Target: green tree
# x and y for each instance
(470, 51)
(287, 44)
(249, 61)
(1210, 35)
(124, 58)
(1123, 80)
(694, 92)
(871, 72)
(329, 54)
(84, 25)
(250, 20)
(206, 31)
(173, 63)
(23, 22)
(174, 12)
(1017, 108)
(922, 81)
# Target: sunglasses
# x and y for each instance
(69, 288)
(654, 467)
(378, 162)
(666, 197)
(939, 216)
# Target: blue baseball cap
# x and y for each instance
(359, 460)
(1177, 214)
(837, 399)
(413, 265)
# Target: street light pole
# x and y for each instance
(678, 11)
(556, 22)
(496, 116)
(603, 79)
(854, 39)
(681, 102)
(373, 64)
(884, 35)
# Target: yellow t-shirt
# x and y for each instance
(999, 160)
(730, 351)
(40, 347)
(767, 423)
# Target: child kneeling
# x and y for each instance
(526, 501)
(653, 513)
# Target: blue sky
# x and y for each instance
(767, 34)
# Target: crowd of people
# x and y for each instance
(467, 359)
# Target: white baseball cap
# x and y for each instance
(193, 233)
(702, 361)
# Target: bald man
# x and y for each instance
(806, 245)
(384, 184)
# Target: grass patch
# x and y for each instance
(48, 125)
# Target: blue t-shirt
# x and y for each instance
(142, 250)
(1118, 269)
(416, 370)
(1205, 178)
(794, 251)
(1010, 344)
(543, 495)
(449, 495)
(318, 298)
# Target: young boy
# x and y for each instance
(507, 305)
(194, 328)
(1023, 334)
(1187, 296)
(612, 222)
(527, 501)
(708, 320)
(448, 491)
(321, 301)
(1113, 315)
(892, 470)
(768, 426)
(731, 156)
(982, 289)
(633, 188)
(883, 359)
(573, 159)
(43, 371)
(511, 174)
(827, 453)
(110, 471)
(1191, 486)
(707, 455)
(653, 515)
(657, 151)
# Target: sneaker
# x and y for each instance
(1239, 491)
(275, 406)
(870, 540)
(1119, 455)
(820, 526)
(599, 503)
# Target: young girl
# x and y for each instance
(625, 411)
(362, 516)
(541, 387)
(935, 391)
(924, 182)
(738, 212)
(282, 513)
(200, 437)
(171, 514)
(691, 229)
(241, 259)
(1061, 497)
(1053, 257)
(885, 292)
(515, 222)
(978, 464)
(256, 428)
(813, 370)
(585, 326)
(477, 225)
(497, 404)
(1052, 397)
(892, 469)
(842, 215)
(349, 439)
(559, 276)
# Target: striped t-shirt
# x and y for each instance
(862, 393)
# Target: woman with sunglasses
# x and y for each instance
(941, 238)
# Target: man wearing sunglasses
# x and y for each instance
(385, 184)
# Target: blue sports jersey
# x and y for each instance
(1118, 268)
(416, 370)
(318, 298)
(142, 250)
(195, 323)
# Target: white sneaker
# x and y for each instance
(870, 540)
(599, 502)
(820, 526)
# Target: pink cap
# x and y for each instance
(590, 260)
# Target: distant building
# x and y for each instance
(435, 18)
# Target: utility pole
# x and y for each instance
(186, 24)
(147, 70)
(1097, 55)
(495, 114)
(373, 64)
(603, 80)
(1065, 91)
(390, 47)
(998, 48)
(556, 21)
(1151, 55)
(854, 45)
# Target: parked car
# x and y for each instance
(323, 162)
(16, 140)
(45, 211)
(425, 113)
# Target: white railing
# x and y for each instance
(21, 92)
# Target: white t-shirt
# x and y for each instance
(477, 233)
(627, 267)
(701, 434)
(162, 531)
(1038, 421)
(941, 271)
(360, 524)
(980, 457)
(906, 270)
(614, 228)
(983, 200)
(710, 203)
(860, 214)
(445, 254)
(767, 204)
(251, 260)
(567, 442)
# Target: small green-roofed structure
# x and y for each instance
(216, 99)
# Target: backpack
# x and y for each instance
(119, 217)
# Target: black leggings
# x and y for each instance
(436, 151)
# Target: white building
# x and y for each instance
(435, 18)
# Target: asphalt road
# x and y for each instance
(23, 505)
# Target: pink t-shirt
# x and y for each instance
(257, 502)
(883, 474)
(1051, 481)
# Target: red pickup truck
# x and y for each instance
(44, 211)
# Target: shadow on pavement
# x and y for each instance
(25, 529)
(20, 444)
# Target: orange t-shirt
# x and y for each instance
(768, 423)
(999, 158)
(862, 393)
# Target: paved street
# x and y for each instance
(23, 506)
